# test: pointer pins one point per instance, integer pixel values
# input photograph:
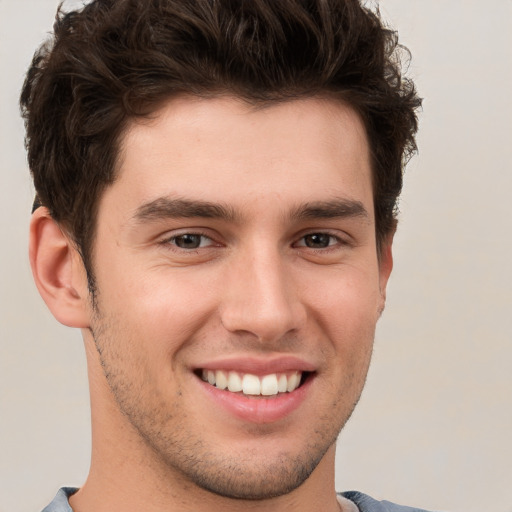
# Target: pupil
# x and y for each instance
(188, 241)
(317, 240)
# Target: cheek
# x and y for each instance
(158, 307)
(346, 314)
(347, 304)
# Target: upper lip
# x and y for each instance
(259, 365)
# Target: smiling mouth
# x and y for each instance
(252, 385)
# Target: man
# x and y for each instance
(216, 189)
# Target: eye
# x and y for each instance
(190, 241)
(318, 241)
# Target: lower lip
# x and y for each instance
(259, 409)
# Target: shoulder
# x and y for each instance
(367, 504)
(60, 503)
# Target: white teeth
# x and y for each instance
(234, 382)
(282, 383)
(221, 379)
(293, 381)
(249, 384)
(269, 385)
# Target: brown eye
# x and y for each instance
(318, 240)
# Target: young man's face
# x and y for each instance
(236, 247)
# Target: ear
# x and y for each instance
(385, 267)
(58, 271)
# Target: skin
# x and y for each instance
(271, 277)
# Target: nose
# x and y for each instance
(261, 298)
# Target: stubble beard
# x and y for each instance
(177, 453)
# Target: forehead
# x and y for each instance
(225, 150)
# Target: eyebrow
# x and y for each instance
(333, 209)
(168, 208)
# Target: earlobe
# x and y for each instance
(58, 271)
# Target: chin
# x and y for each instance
(247, 480)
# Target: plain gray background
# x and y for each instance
(434, 426)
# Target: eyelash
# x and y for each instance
(338, 242)
(330, 246)
(171, 241)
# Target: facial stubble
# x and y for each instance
(176, 452)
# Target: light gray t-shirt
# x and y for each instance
(363, 502)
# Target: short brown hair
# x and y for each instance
(118, 59)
